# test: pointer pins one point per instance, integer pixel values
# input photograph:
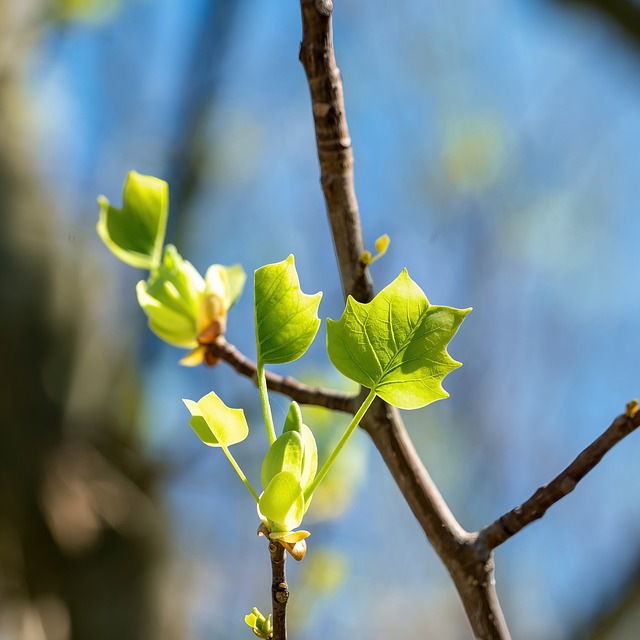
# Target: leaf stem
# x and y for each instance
(236, 466)
(345, 436)
(264, 399)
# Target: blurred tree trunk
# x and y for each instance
(81, 536)
(622, 14)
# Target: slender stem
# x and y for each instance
(266, 408)
(279, 591)
(345, 436)
(236, 466)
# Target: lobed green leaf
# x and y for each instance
(396, 344)
(135, 233)
(216, 424)
(286, 318)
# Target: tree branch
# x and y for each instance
(279, 591)
(298, 391)
(472, 575)
(536, 506)
(334, 145)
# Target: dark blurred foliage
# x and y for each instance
(83, 538)
(622, 14)
(81, 531)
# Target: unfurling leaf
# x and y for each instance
(382, 244)
(185, 309)
(396, 344)
(216, 424)
(293, 422)
(171, 299)
(282, 502)
(135, 233)
(286, 319)
(260, 625)
(285, 454)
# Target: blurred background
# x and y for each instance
(497, 143)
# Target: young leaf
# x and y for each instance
(286, 319)
(293, 422)
(235, 283)
(285, 454)
(396, 344)
(216, 424)
(171, 298)
(282, 502)
(295, 451)
(135, 233)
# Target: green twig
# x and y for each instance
(236, 466)
(345, 436)
(266, 408)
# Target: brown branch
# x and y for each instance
(334, 145)
(279, 591)
(536, 506)
(298, 391)
(471, 573)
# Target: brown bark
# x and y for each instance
(298, 391)
(279, 591)
(334, 145)
(472, 574)
(546, 496)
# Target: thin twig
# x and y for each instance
(279, 591)
(546, 496)
(296, 390)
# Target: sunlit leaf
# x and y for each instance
(282, 502)
(293, 422)
(216, 424)
(236, 278)
(285, 454)
(135, 233)
(396, 344)
(286, 319)
(171, 299)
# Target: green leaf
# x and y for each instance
(171, 299)
(293, 422)
(286, 319)
(135, 233)
(396, 344)
(216, 424)
(282, 502)
(236, 278)
(285, 454)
